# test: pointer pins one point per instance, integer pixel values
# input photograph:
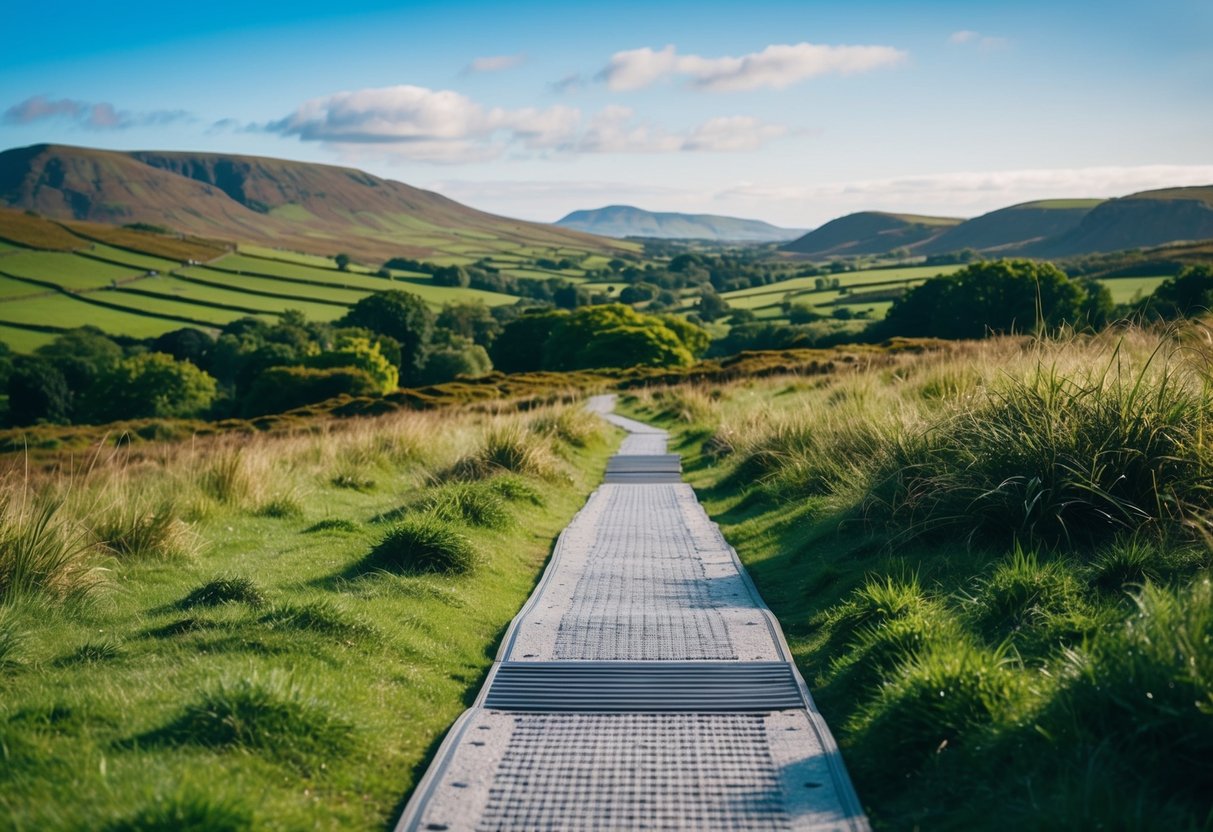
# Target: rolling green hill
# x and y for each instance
(320, 209)
(1011, 229)
(870, 232)
(1148, 218)
(626, 221)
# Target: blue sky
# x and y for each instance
(793, 112)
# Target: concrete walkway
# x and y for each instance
(645, 685)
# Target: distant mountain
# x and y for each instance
(1148, 218)
(871, 232)
(1009, 230)
(308, 207)
(626, 221)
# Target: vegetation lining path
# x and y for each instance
(644, 685)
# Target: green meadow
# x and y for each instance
(274, 633)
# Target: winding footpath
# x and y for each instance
(645, 685)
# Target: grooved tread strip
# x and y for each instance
(658, 687)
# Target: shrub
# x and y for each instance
(282, 388)
(423, 543)
(227, 589)
(150, 385)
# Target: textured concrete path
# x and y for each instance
(644, 685)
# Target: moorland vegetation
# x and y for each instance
(993, 564)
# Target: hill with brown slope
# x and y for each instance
(870, 232)
(309, 207)
(1148, 218)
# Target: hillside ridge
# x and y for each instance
(305, 206)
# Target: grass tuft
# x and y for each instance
(226, 589)
(281, 506)
(227, 479)
(44, 552)
(190, 812)
(475, 503)
(268, 715)
(92, 652)
(353, 481)
(509, 448)
(423, 543)
(515, 489)
(323, 617)
(129, 530)
(332, 524)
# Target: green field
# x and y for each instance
(1126, 289)
(64, 312)
(24, 340)
(68, 271)
(172, 288)
(130, 258)
(12, 288)
(186, 314)
(288, 290)
(773, 293)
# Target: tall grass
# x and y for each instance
(1074, 443)
(44, 551)
(995, 565)
(131, 528)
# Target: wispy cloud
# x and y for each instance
(91, 116)
(967, 37)
(446, 126)
(568, 84)
(777, 66)
(494, 63)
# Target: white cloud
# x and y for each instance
(446, 126)
(967, 37)
(733, 133)
(99, 116)
(777, 66)
(495, 63)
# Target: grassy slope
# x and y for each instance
(970, 688)
(393, 658)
